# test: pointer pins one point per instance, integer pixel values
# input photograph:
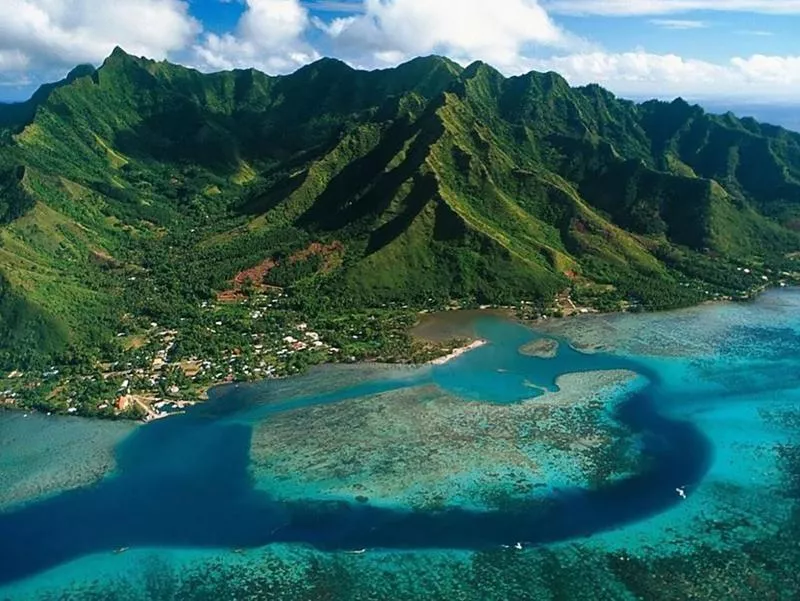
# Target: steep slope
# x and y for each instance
(13, 116)
(137, 190)
(755, 163)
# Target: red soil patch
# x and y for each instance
(230, 296)
(255, 275)
(331, 253)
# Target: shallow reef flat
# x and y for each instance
(408, 438)
(642, 335)
(423, 447)
(696, 332)
(544, 348)
(42, 455)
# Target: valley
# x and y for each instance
(143, 204)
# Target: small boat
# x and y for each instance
(681, 492)
(356, 552)
(518, 546)
(120, 550)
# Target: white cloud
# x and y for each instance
(269, 36)
(782, 71)
(44, 34)
(643, 74)
(497, 31)
(632, 70)
(679, 24)
(38, 37)
(273, 23)
(663, 7)
(13, 60)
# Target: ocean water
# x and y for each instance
(688, 482)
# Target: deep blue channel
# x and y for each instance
(184, 482)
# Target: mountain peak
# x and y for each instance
(119, 53)
(479, 68)
(327, 62)
(121, 57)
(422, 181)
(555, 80)
(433, 60)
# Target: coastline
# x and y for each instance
(540, 324)
(458, 352)
(306, 451)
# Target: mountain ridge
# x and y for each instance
(141, 188)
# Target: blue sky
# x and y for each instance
(713, 36)
(720, 50)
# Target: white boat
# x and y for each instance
(356, 552)
(681, 492)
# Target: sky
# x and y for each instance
(729, 51)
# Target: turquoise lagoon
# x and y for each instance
(663, 464)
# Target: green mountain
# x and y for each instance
(133, 192)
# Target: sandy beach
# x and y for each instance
(457, 352)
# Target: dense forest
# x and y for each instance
(140, 191)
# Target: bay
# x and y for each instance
(674, 435)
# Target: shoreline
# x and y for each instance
(506, 312)
(538, 324)
(455, 353)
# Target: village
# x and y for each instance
(161, 370)
(154, 378)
